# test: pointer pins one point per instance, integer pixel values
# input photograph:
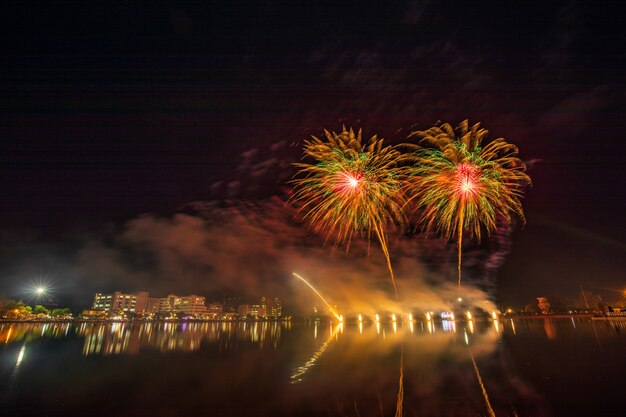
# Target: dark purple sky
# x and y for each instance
(113, 109)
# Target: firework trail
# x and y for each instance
(337, 315)
(351, 189)
(462, 185)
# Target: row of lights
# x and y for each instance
(429, 316)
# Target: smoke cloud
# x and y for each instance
(252, 249)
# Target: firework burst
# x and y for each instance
(462, 185)
(351, 189)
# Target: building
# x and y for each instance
(215, 309)
(95, 314)
(128, 303)
(190, 304)
(251, 310)
(231, 304)
(153, 305)
(272, 306)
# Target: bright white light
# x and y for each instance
(20, 356)
(40, 290)
(353, 182)
(467, 185)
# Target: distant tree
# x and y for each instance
(60, 312)
(588, 300)
(15, 309)
(558, 304)
(531, 308)
(543, 305)
(39, 309)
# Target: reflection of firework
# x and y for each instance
(351, 189)
(462, 185)
(301, 370)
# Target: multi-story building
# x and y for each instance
(215, 309)
(272, 306)
(153, 305)
(129, 303)
(251, 310)
(231, 304)
(190, 304)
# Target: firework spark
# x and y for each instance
(351, 189)
(462, 185)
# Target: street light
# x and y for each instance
(40, 291)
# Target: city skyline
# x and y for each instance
(193, 305)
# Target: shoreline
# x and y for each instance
(300, 320)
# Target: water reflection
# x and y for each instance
(446, 367)
(130, 338)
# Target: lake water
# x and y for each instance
(532, 367)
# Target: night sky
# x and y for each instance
(110, 110)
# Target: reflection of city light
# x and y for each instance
(469, 315)
(497, 326)
(428, 316)
(395, 327)
(448, 326)
(360, 327)
(411, 326)
(513, 326)
(377, 317)
(377, 327)
(360, 318)
(20, 356)
(393, 317)
(410, 317)
(466, 338)
(494, 315)
(471, 326)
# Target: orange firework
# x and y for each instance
(461, 184)
(351, 188)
